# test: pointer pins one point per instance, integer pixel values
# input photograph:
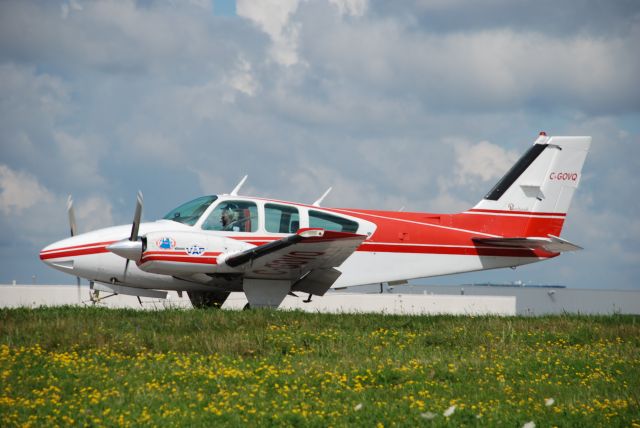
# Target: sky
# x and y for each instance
(421, 104)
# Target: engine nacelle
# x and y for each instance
(180, 252)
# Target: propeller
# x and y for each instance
(130, 249)
(73, 229)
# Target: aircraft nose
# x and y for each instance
(58, 255)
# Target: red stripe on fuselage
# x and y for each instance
(96, 248)
(453, 250)
(93, 244)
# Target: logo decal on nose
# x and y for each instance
(166, 243)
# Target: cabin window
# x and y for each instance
(233, 216)
(331, 222)
(281, 218)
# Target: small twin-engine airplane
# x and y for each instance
(268, 248)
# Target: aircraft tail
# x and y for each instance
(538, 189)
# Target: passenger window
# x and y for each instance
(281, 218)
(331, 222)
(233, 216)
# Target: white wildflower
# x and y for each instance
(358, 406)
(549, 402)
(449, 411)
(428, 415)
(529, 424)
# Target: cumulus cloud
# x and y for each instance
(483, 160)
(83, 155)
(94, 212)
(351, 7)
(19, 191)
(67, 7)
(156, 148)
(242, 79)
(30, 98)
(273, 17)
(34, 213)
(491, 69)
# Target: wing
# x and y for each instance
(552, 244)
(296, 256)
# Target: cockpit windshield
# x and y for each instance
(190, 212)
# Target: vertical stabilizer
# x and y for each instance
(541, 183)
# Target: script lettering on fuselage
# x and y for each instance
(289, 261)
(563, 176)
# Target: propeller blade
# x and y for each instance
(136, 218)
(131, 249)
(73, 230)
(126, 267)
(72, 216)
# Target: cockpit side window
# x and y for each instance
(281, 218)
(188, 213)
(331, 222)
(233, 216)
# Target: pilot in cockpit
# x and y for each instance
(229, 218)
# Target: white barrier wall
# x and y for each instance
(536, 300)
(51, 295)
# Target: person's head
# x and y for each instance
(229, 214)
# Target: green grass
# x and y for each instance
(94, 366)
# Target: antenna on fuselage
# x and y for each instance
(236, 189)
(321, 198)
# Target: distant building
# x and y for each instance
(531, 299)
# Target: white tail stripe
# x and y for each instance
(507, 214)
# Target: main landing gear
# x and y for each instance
(207, 299)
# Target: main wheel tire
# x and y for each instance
(207, 299)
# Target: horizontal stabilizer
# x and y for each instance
(551, 244)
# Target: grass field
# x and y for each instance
(93, 366)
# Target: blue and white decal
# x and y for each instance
(195, 250)
(166, 243)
